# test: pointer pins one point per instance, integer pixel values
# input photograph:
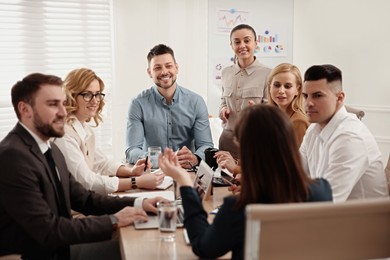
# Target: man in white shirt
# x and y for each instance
(337, 146)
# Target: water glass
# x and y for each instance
(153, 153)
(167, 217)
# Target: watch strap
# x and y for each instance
(133, 183)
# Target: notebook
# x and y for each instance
(202, 183)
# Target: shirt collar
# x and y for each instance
(332, 124)
(43, 145)
(248, 70)
(160, 97)
(79, 128)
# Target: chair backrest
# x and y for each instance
(318, 230)
(358, 112)
(387, 171)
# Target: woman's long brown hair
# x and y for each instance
(272, 171)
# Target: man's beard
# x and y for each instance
(46, 129)
(167, 86)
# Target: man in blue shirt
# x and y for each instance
(167, 115)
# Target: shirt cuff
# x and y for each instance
(199, 159)
(138, 203)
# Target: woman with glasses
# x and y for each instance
(90, 166)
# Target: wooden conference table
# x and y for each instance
(146, 243)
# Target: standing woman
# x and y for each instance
(285, 92)
(90, 166)
(243, 83)
(272, 172)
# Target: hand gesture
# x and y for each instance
(251, 102)
(128, 215)
(225, 160)
(150, 180)
(139, 166)
(236, 188)
(170, 165)
(150, 205)
(186, 158)
(224, 114)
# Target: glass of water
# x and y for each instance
(167, 217)
(153, 153)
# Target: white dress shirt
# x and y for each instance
(346, 154)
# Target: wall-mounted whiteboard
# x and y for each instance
(273, 23)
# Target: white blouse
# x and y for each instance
(87, 163)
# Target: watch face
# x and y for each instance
(133, 183)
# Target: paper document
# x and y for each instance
(168, 194)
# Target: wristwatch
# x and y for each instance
(133, 183)
(114, 222)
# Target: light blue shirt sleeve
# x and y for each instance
(153, 122)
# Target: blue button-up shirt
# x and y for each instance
(153, 122)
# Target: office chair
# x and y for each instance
(387, 171)
(358, 112)
(357, 229)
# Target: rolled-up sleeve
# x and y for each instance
(134, 133)
(202, 132)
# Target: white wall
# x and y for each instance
(351, 34)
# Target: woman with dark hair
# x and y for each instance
(271, 173)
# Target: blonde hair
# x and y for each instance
(75, 83)
(297, 103)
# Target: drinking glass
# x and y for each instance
(153, 153)
(167, 217)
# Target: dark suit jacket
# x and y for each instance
(29, 219)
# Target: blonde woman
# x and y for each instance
(285, 92)
(91, 167)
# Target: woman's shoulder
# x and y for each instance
(299, 117)
(320, 190)
(230, 200)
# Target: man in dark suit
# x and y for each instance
(37, 192)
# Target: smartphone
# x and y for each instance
(230, 180)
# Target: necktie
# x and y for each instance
(61, 197)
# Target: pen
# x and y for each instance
(146, 163)
(178, 149)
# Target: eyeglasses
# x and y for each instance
(87, 96)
